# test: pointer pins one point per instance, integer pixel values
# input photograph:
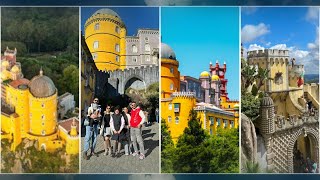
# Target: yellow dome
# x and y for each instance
(215, 78)
(204, 74)
(15, 69)
(5, 75)
(5, 64)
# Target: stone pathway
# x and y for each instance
(125, 164)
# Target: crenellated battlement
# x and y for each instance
(183, 94)
(268, 53)
(295, 70)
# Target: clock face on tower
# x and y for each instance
(221, 73)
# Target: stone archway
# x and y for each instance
(313, 136)
(135, 82)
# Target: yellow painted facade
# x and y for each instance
(105, 35)
(176, 105)
(30, 116)
(177, 121)
(170, 77)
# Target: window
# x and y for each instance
(95, 44)
(171, 87)
(43, 132)
(218, 122)
(147, 58)
(211, 119)
(169, 119)
(232, 124)
(225, 123)
(176, 107)
(97, 26)
(94, 56)
(42, 123)
(117, 47)
(134, 48)
(117, 59)
(177, 120)
(210, 131)
(170, 106)
(229, 106)
(117, 29)
(42, 105)
(134, 59)
(42, 117)
(171, 70)
(147, 48)
(146, 39)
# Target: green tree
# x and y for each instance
(224, 148)
(167, 149)
(250, 105)
(70, 81)
(189, 150)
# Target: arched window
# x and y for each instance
(134, 59)
(94, 56)
(170, 106)
(147, 48)
(169, 119)
(171, 70)
(171, 87)
(95, 44)
(117, 29)
(134, 48)
(97, 26)
(117, 59)
(177, 120)
(117, 47)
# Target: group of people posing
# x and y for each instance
(118, 127)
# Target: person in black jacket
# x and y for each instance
(126, 129)
(106, 130)
(117, 124)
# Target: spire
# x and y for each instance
(210, 62)
(41, 72)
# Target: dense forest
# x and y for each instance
(47, 38)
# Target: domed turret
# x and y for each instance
(205, 74)
(5, 74)
(106, 11)
(215, 78)
(167, 52)
(266, 122)
(5, 64)
(266, 101)
(42, 86)
(15, 69)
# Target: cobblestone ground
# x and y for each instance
(125, 164)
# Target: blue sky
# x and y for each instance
(133, 17)
(199, 35)
(292, 28)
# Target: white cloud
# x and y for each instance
(254, 47)
(250, 32)
(152, 177)
(268, 43)
(313, 13)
